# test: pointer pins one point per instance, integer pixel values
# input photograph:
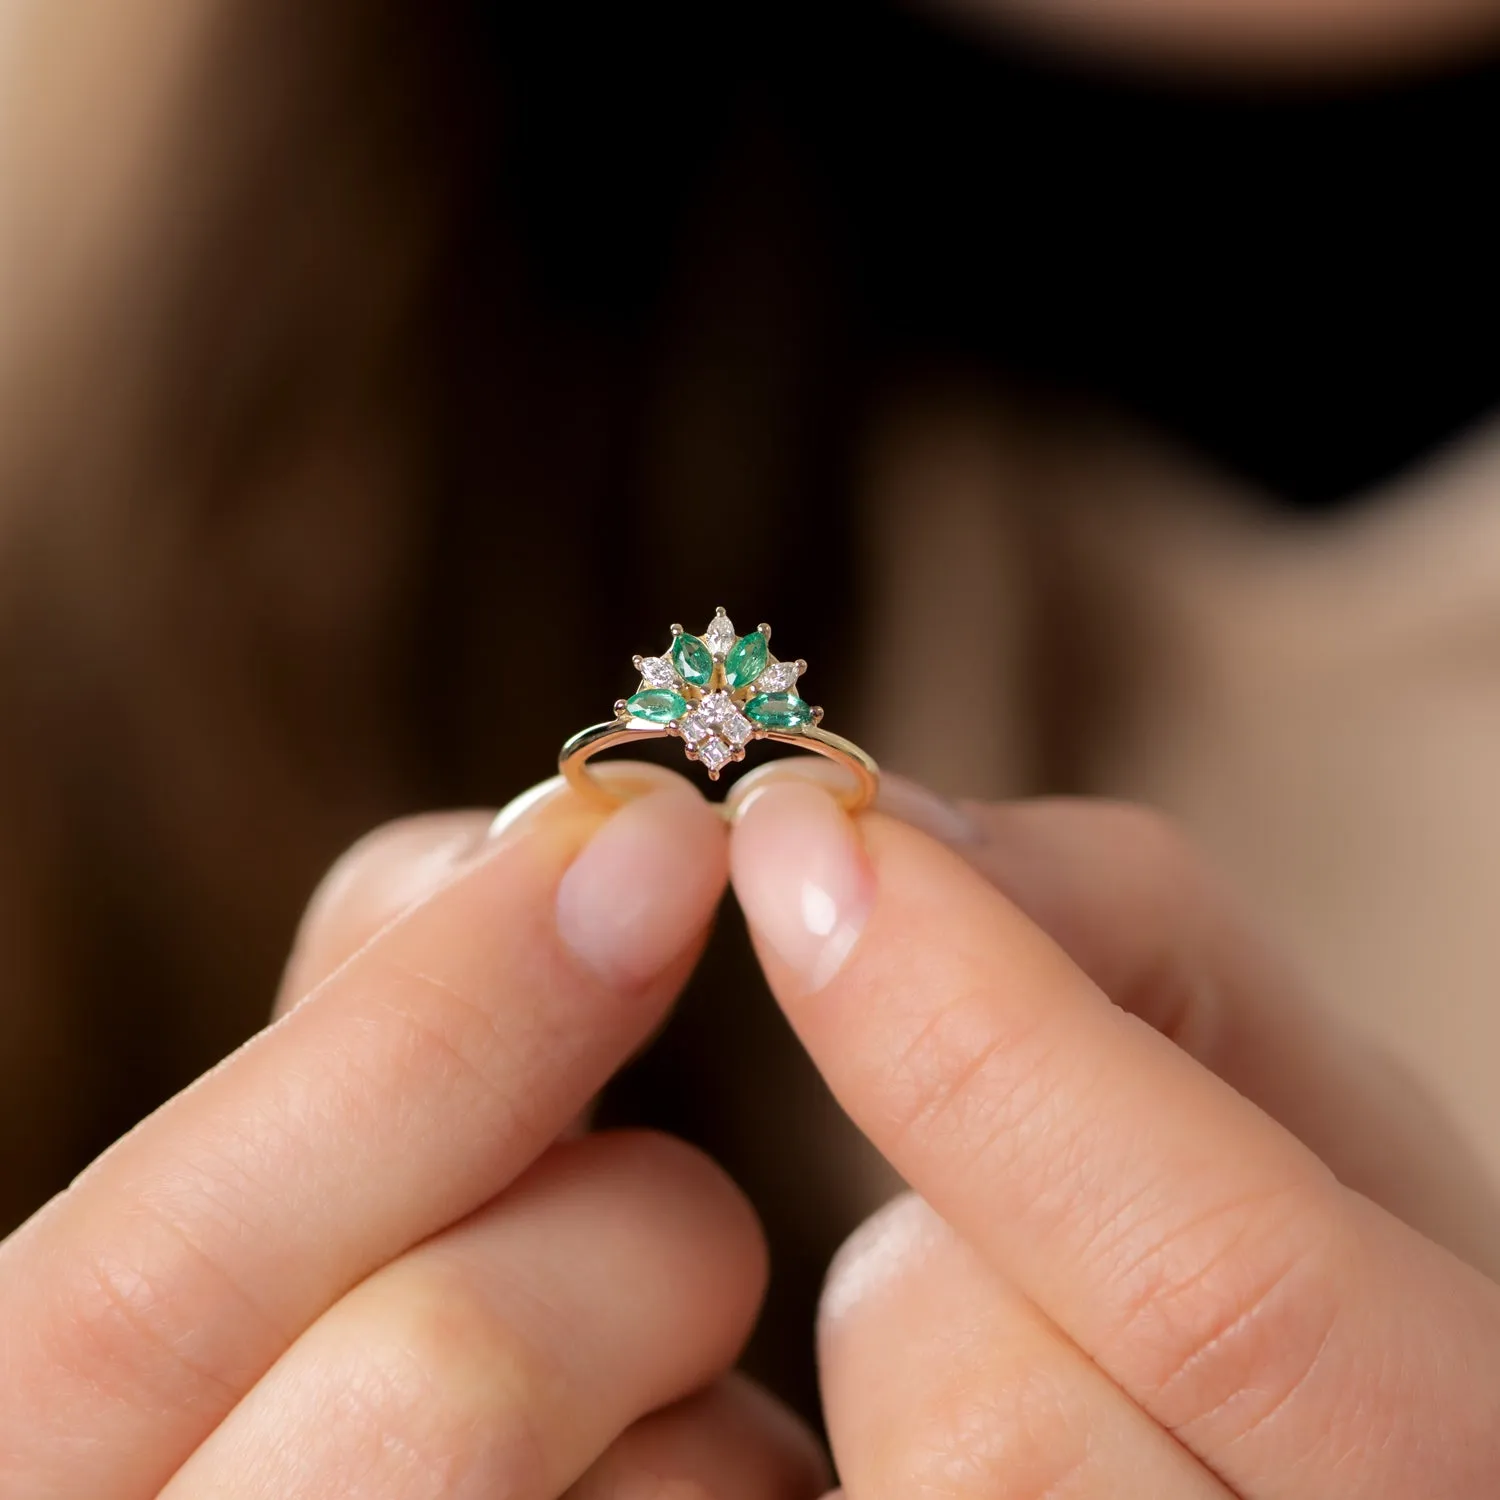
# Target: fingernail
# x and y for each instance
(643, 887)
(801, 770)
(632, 778)
(802, 877)
(909, 801)
(518, 807)
(892, 1242)
(915, 805)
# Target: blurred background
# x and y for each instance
(1108, 384)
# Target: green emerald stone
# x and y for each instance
(746, 660)
(779, 710)
(658, 705)
(693, 660)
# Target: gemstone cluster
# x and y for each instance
(718, 691)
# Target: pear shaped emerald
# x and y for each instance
(779, 710)
(657, 705)
(746, 660)
(693, 660)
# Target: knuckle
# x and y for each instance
(1227, 1319)
(1020, 1434)
(968, 1081)
(447, 1039)
(445, 1387)
(144, 1317)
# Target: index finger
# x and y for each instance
(1280, 1326)
(415, 1083)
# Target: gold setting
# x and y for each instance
(718, 719)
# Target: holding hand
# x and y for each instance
(1181, 1246)
(354, 1260)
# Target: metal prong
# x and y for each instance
(621, 705)
(677, 630)
(637, 661)
(713, 775)
(817, 716)
(718, 610)
(764, 629)
(801, 666)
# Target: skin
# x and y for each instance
(1172, 1233)
(1252, 38)
(357, 1258)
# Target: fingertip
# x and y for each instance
(893, 1241)
(644, 887)
(372, 881)
(802, 877)
(644, 1175)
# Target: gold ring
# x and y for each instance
(717, 692)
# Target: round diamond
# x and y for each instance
(659, 672)
(777, 678)
(717, 708)
(720, 634)
(715, 754)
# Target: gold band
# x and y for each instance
(864, 772)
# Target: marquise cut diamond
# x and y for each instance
(777, 678)
(659, 672)
(720, 634)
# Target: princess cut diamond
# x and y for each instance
(715, 754)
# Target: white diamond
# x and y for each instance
(659, 672)
(715, 754)
(720, 634)
(717, 708)
(695, 727)
(737, 729)
(777, 678)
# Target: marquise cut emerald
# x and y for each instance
(693, 660)
(746, 660)
(657, 705)
(779, 710)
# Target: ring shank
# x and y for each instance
(571, 761)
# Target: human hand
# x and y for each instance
(1181, 1246)
(353, 1258)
